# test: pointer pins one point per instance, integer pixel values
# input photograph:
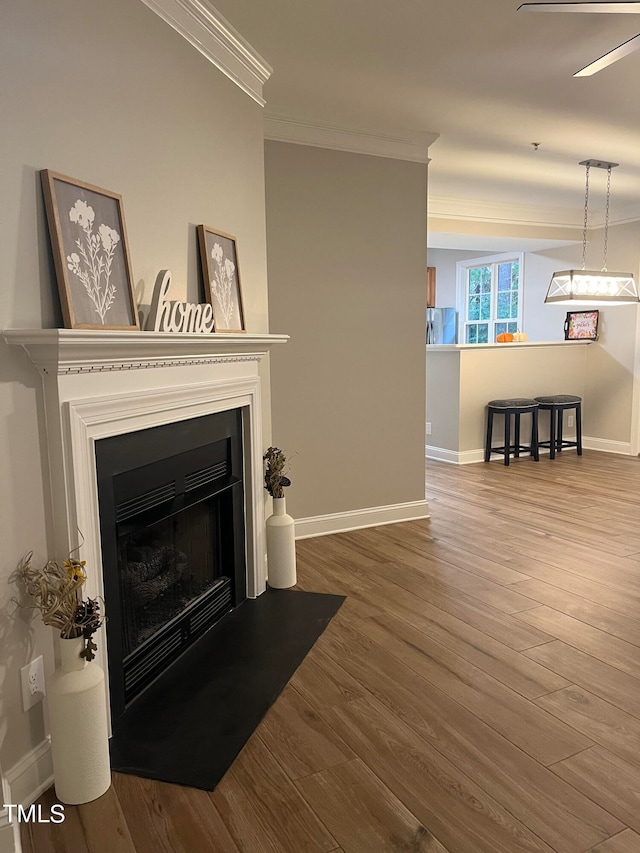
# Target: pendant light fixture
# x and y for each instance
(590, 287)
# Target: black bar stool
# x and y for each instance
(516, 407)
(556, 405)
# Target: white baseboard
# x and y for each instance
(9, 832)
(342, 522)
(22, 785)
(453, 456)
(606, 446)
(9, 835)
(31, 776)
(469, 456)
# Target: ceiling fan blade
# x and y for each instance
(614, 55)
(631, 7)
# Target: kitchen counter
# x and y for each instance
(463, 378)
(505, 346)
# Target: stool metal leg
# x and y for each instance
(579, 428)
(516, 438)
(507, 436)
(487, 448)
(560, 425)
(535, 452)
(552, 433)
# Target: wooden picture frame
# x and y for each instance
(90, 253)
(581, 326)
(219, 255)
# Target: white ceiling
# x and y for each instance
(490, 80)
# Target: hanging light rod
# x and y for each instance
(630, 8)
(593, 287)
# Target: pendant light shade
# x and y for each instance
(592, 287)
(589, 287)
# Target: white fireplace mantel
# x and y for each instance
(60, 351)
(99, 384)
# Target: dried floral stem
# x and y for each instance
(274, 476)
(55, 591)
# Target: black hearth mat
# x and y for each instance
(191, 723)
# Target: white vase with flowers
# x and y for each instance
(281, 541)
(76, 690)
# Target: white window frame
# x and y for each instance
(462, 271)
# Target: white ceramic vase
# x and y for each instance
(78, 722)
(281, 547)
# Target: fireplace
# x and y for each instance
(173, 542)
(100, 386)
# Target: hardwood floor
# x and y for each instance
(478, 692)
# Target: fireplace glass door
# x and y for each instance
(173, 542)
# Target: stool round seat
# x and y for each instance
(513, 403)
(515, 406)
(559, 399)
(556, 405)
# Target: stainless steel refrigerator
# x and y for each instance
(442, 325)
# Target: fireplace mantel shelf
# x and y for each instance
(90, 351)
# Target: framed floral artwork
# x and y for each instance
(90, 253)
(219, 254)
(581, 325)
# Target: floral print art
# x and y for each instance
(224, 288)
(92, 263)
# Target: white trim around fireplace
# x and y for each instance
(102, 384)
(89, 421)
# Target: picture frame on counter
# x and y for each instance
(90, 254)
(219, 256)
(581, 326)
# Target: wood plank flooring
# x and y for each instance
(478, 692)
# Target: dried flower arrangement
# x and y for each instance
(274, 476)
(55, 590)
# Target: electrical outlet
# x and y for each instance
(428, 428)
(569, 420)
(32, 677)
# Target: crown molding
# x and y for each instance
(407, 146)
(203, 26)
(505, 213)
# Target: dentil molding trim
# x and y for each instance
(407, 146)
(203, 26)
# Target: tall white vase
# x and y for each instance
(281, 547)
(78, 722)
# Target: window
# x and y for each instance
(491, 297)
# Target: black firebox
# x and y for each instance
(173, 542)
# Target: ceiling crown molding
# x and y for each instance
(511, 213)
(407, 146)
(502, 212)
(203, 26)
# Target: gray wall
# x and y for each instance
(346, 258)
(109, 94)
